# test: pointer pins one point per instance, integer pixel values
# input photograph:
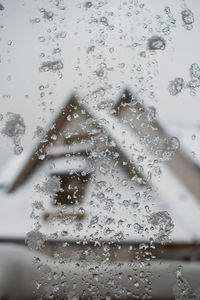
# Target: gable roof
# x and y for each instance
(30, 160)
(129, 147)
(183, 165)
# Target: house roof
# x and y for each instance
(19, 201)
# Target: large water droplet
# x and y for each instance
(188, 19)
(51, 66)
(156, 43)
(176, 86)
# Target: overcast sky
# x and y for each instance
(99, 45)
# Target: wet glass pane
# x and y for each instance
(100, 149)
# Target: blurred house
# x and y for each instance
(104, 170)
(106, 184)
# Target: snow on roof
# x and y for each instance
(173, 196)
(186, 219)
(69, 149)
(12, 168)
(189, 136)
(69, 165)
(186, 128)
(185, 212)
(98, 114)
(110, 205)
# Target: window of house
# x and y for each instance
(72, 189)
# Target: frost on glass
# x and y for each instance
(100, 193)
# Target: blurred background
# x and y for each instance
(100, 149)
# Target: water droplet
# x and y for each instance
(121, 65)
(136, 284)
(193, 137)
(39, 133)
(124, 182)
(104, 21)
(51, 186)
(104, 168)
(150, 114)
(170, 145)
(90, 49)
(88, 4)
(156, 43)
(138, 228)
(81, 210)
(163, 222)
(48, 15)
(62, 34)
(100, 72)
(35, 239)
(188, 19)
(79, 226)
(195, 71)
(143, 54)
(41, 39)
(35, 20)
(51, 66)
(167, 10)
(56, 50)
(176, 86)
(18, 149)
(54, 137)
(14, 128)
(96, 277)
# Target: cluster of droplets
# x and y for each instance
(35, 239)
(51, 66)
(39, 133)
(50, 186)
(165, 25)
(162, 222)
(177, 85)
(182, 289)
(14, 128)
(187, 18)
(99, 92)
(51, 22)
(169, 148)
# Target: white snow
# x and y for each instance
(11, 169)
(39, 274)
(175, 61)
